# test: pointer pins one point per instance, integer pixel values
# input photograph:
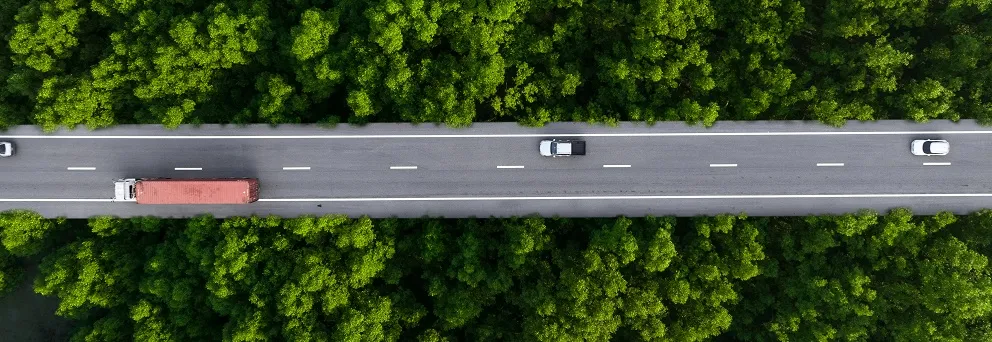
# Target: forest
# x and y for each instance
(97, 63)
(855, 277)
(861, 277)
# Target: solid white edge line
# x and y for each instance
(829, 164)
(189, 169)
(509, 166)
(936, 164)
(80, 168)
(723, 165)
(402, 167)
(525, 198)
(615, 165)
(689, 197)
(522, 135)
(303, 168)
(99, 200)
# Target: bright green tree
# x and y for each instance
(24, 233)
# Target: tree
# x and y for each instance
(45, 33)
(102, 63)
(860, 276)
(23, 233)
(867, 277)
(11, 272)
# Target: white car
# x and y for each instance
(562, 148)
(930, 147)
(6, 149)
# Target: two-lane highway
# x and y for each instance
(762, 168)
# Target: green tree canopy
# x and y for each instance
(861, 277)
(100, 63)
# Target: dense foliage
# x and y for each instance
(100, 62)
(862, 277)
(10, 272)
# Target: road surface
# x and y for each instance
(494, 169)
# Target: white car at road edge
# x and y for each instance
(930, 147)
(6, 149)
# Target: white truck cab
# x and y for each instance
(124, 190)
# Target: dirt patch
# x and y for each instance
(30, 317)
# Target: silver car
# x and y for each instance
(930, 147)
(6, 149)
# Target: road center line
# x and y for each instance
(402, 167)
(189, 169)
(509, 166)
(936, 164)
(303, 168)
(615, 166)
(80, 168)
(723, 165)
(829, 164)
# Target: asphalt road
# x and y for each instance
(382, 170)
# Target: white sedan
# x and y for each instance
(930, 147)
(6, 149)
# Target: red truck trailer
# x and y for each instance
(187, 191)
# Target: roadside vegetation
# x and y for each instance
(99, 63)
(863, 277)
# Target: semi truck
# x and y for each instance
(186, 191)
(562, 148)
